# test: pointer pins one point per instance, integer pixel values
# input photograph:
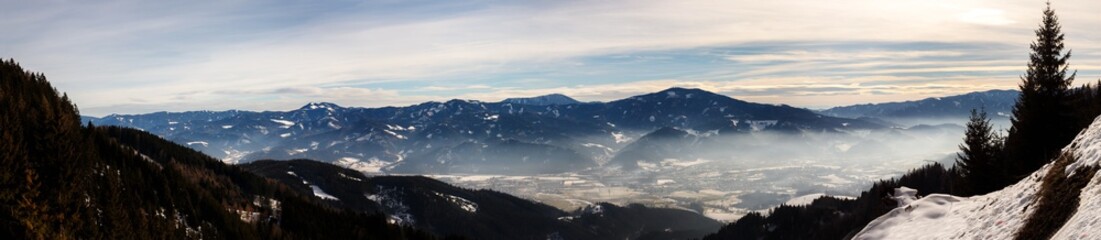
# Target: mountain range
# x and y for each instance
(545, 134)
(997, 103)
(548, 134)
(74, 181)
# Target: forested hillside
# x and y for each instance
(68, 181)
(435, 206)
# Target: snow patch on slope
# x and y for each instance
(997, 215)
(321, 194)
(285, 123)
(620, 138)
(373, 165)
(466, 205)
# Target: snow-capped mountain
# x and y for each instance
(1073, 210)
(473, 136)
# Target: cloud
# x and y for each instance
(808, 56)
(104, 54)
(986, 16)
(807, 91)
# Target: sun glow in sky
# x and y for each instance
(142, 56)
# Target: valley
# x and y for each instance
(722, 191)
(710, 154)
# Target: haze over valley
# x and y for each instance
(682, 148)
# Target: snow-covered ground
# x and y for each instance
(997, 215)
(371, 166)
(321, 193)
(466, 205)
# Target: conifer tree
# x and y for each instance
(1043, 120)
(977, 161)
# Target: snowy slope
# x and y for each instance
(997, 215)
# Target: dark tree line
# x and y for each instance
(1047, 117)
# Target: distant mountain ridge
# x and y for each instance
(998, 103)
(472, 136)
(545, 100)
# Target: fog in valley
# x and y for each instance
(725, 176)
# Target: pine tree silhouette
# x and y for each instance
(1043, 120)
(977, 160)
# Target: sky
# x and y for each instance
(146, 56)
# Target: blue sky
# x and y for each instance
(143, 56)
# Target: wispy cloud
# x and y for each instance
(863, 56)
(179, 56)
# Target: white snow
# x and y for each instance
(758, 125)
(833, 179)
(248, 216)
(285, 135)
(683, 163)
(399, 136)
(198, 143)
(803, 200)
(1087, 220)
(350, 177)
(997, 215)
(285, 123)
(466, 205)
(321, 194)
(374, 197)
(725, 215)
(234, 156)
(227, 126)
(596, 209)
(372, 165)
(597, 145)
(620, 138)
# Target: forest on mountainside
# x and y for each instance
(65, 180)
